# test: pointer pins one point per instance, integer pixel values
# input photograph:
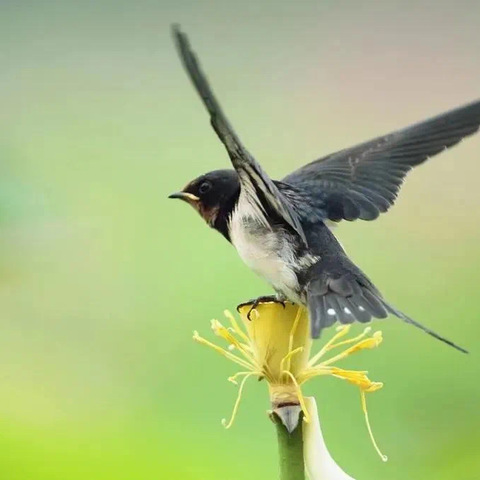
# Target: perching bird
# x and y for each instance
(279, 227)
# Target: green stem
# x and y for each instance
(290, 446)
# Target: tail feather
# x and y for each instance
(347, 299)
(358, 312)
(413, 322)
(375, 304)
(319, 317)
(337, 304)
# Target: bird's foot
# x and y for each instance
(254, 303)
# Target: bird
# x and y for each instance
(281, 229)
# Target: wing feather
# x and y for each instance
(362, 181)
(248, 169)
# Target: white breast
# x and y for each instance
(267, 253)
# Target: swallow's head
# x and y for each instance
(211, 194)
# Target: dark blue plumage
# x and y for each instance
(279, 227)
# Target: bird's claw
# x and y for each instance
(257, 301)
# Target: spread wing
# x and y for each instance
(363, 181)
(251, 174)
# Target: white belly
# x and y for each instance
(269, 255)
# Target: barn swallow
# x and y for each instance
(281, 230)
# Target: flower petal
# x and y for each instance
(319, 464)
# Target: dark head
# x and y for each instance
(213, 196)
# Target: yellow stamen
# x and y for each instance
(233, 378)
(351, 340)
(358, 378)
(288, 356)
(301, 399)
(309, 373)
(224, 333)
(235, 326)
(371, 342)
(237, 401)
(367, 421)
(341, 332)
(247, 347)
(222, 351)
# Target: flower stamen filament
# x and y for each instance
(301, 399)
(342, 331)
(222, 351)
(237, 401)
(369, 428)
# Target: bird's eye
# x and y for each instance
(205, 187)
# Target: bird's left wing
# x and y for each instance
(249, 170)
(363, 181)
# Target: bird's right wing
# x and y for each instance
(363, 181)
(249, 170)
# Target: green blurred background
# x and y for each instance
(103, 279)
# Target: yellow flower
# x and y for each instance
(276, 345)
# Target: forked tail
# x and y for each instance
(351, 298)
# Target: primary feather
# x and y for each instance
(249, 170)
(363, 181)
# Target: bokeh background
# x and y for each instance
(102, 279)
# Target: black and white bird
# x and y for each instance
(279, 228)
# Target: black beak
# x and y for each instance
(187, 197)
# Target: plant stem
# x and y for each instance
(290, 447)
